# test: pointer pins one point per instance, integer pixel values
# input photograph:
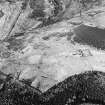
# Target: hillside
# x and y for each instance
(44, 42)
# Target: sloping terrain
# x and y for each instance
(41, 50)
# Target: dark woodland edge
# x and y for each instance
(85, 87)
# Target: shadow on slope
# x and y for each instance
(90, 35)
